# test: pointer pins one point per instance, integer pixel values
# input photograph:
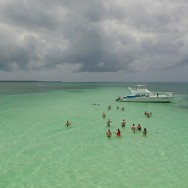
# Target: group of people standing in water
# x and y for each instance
(123, 124)
(138, 128)
(109, 134)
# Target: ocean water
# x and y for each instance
(37, 150)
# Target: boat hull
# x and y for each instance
(146, 99)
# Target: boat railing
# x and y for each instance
(138, 90)
(163, 93)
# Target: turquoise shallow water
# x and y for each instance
(37, 150)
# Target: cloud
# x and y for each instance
(93, 35)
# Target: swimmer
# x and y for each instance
(133, 128)
(139, 127)
(109, 107)
(145, 132)
(117, 107)
(147, 114)
(108, 133)
(122, 108)
(103, 115)
(123, 123)
(108, 122)
(118, 133)
(67, 123)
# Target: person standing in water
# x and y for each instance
(108, 133)
(145, 132)
(139, 127)
(133, 128)
(118, 133)
(123, 123)
(108, 122)
(103, 115)
(67, 123)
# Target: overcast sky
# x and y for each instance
(94, 40)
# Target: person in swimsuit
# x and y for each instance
(118, 133)
(139, 127)
(145, 132)
(109, 107)
(108, 133)
(133, 128)
(148, 114)
(108, 122)
(67, 123)
(103, 115)
(123, 123)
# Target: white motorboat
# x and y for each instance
(141, 94)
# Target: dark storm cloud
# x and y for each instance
(16, 52)
(32, 15)
(95, 35)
